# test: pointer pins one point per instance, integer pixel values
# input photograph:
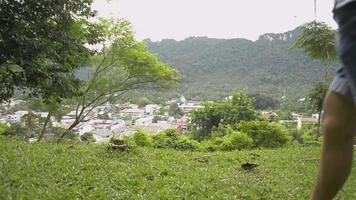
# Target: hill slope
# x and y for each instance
(59, 171)
(214, 68)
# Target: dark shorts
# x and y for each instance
(344, 82)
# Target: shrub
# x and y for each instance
(166, 139)
(56, 132)
(265, 134)
(213, 144)
(186, 144)
(171, 139)
(87, 137)
(236, 141)
(142, 139)
(17, 131)
(3, 128)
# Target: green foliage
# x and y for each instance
(3, 128)
(56, 132)
(17, 131)
(225, 113)
(142, 139)
(166, 139)
(142, 101)
(236, 141)
(171, 139)
(264, 102)
(318, 41)
(186, 144)
(316, 95)
(45, 44)
(156, 118)
(124, 66)
(175, 111)
(87, 137)
(267, 66)
(265, 134)
(30, 122)
(66, 171)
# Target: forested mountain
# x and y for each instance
(214, 68)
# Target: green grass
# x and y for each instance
(62, 171)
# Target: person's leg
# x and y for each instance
(339, 120)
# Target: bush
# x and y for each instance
(236, 141)
(186, 144)
(171, 139)
(142, 139)
(87, 137)
(213, 144)
(3, 128)
(166, 139)
(17, 131)
(56, 132)
(264, 134)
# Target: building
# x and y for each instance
(144, 121)
(133, 112)
(150, 109)
(189, 107)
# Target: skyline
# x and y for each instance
(180, 19)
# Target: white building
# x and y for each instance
(132, 112)
(144, 121)
(189, 107)
(151, 108)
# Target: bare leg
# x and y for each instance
(336, 160)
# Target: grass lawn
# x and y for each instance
(63, 171)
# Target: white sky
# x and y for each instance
(179, 19)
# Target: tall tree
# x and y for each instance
(221, 113)
(318, 41)
(42, 43)
(122, 65)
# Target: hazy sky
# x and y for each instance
(179, 19)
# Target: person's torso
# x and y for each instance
(340, 3)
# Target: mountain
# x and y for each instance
(215, 68)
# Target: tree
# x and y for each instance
(42, 44)
(30, 121)
(263, 102)
(318, 41)
(123, 66)
(175, 111)
(221, 113)
(316, 98)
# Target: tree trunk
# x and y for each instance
(43, 131)
(319, 122)
(75, 123)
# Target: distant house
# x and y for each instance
(132, 112)
(150, 109)
(189, 107)
(144, 121)
(155, 128)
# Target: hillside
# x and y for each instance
(214, 68)
(64, 171)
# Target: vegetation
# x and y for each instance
(52, 171)
(45, 44)
(318, 41)
(267, 66)
(228, 112)
(123, 66)
(265, 134)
